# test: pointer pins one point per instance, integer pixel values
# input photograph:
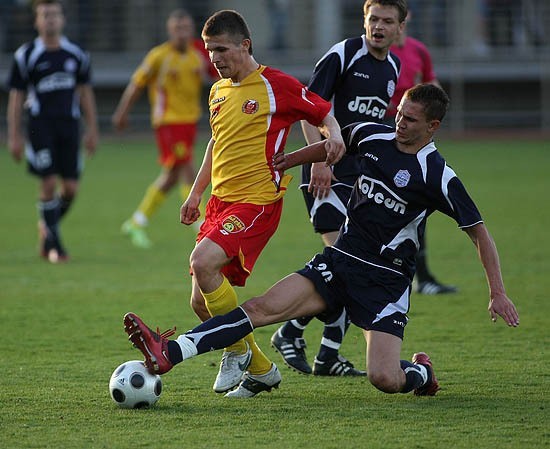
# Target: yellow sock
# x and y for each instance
(259, 364)
(152, 200)
(221, 301)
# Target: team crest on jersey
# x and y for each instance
(231, 225)
(70, 65)
(250, 106)
(391, 88)
(402, 178)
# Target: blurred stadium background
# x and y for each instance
(492, 56)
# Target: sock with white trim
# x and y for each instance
(215, 333)
(416, 376)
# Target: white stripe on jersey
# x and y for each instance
(409, 232)
(331, 199)
(447, 175)
(367, 262)
(422, 157)
(379, 136)
(363, 51)
(38, 49)
(401, 306)
(393, 63)
(339, 49)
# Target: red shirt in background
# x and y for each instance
(416, 67)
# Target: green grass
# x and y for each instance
(62, 330)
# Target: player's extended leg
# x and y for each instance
(293, 296)
(390, 374)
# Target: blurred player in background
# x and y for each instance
(358, 76)
(416, 68)
(251, 110)
(50, 76)
(174, 73)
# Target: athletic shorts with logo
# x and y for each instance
(375, 298)
(54, 147)
(242, 230)
(175, 143)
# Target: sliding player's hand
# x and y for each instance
(501, 305)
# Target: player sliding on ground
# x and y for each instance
(369, 269)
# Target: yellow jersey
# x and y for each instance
(250, 122)
(174, 83)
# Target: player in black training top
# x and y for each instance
(370, 268)
(50, 76)
(358, 76)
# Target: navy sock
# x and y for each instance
(289, 330)
(220, 331)
(333, 335)
(414, 377)
(174, 352)
(64, 205)
(49, 212)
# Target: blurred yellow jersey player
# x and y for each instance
(173, 73)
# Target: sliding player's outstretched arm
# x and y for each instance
(499, 303)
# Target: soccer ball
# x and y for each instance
(133, 386)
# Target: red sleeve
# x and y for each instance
(294, 101)
(428, 73)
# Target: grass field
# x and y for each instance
(62, 329)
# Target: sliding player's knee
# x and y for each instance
(384, 380)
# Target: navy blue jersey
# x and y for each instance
(393, 197)
(50, 77)
(359, 87)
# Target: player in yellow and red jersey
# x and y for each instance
(173, 73)
(251, 110)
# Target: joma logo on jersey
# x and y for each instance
(370, 106)
(380, 194)
(218, 100)
(231, 225)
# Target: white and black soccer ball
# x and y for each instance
(133, 386)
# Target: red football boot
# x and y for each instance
(432, 387)
(153, 345)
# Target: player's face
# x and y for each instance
(228, 57)
(180, 31)
(411, 126)
(382, 28)
(49, 20)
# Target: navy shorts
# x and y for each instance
(374, 298)
(328, 214)
(54, 148)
